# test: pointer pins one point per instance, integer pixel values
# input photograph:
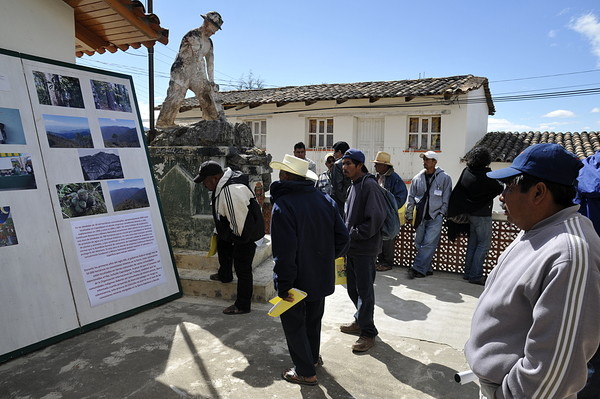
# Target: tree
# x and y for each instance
(249, 82)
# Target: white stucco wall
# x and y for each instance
(462, 126)
(44, 28)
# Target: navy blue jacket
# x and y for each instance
(365, 215)
(307, 235)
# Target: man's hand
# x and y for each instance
(289, 298)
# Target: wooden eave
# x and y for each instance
(112, 25)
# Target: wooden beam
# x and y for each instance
(409, 98)
(89, 38)
(341, 100)
(282, 103)
(373, 99)
(254, 105)
(309, 102)
(128, 14)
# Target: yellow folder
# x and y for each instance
(213, 246)
(340, 271)
(280, 306)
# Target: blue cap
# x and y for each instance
(355, 154)
(550, 162)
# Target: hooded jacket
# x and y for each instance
(307, 234)
(439, 192)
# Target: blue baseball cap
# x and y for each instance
(355, 154)
(550, 162)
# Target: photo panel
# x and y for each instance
(8, 234)
(81, 199)
(110, 96)
(58, 90)
(16, 171)
(128, 194)
(11, 127)
(119, 132)
(100, 164)
(67, 131)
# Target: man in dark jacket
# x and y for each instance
(473, 195)
(339, 181)
(237, 229)
(391, 181)
(307, 233)
(365, 215)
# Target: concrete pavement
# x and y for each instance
(189, 349)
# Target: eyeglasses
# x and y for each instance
(511, 183)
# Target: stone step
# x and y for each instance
(195, 268)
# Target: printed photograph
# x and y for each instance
(80, 199)
(128, 194)
(16, 172)
(100, 164)
(58, 90)
(68, 131)
(11, 127)
(110, 96)
(119, 132)
(8, 234)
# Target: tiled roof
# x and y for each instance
(505, 146)
(112, 25)
(341, 92)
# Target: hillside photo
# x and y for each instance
(128, 194)
(68, 131)
(119, 132)
(100, 164)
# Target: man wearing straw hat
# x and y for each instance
(391, 181)
(307, 235)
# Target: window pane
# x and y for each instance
(329, 125)
(413, 125)
(436, 124)
(424, 142)
(329, 140)
(263, 127)
(413, 141)
(436, 141)
(321, 140)
(312, 125)
(425, 126)
(312, 140)
(321, 126)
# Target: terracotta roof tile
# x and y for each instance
(505, 146)
(447, 86)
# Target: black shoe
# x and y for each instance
(215, 277)
(429, 273)
(481, 281)
(412, 273)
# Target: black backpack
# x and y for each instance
(391, 225)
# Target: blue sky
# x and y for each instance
(524, 48)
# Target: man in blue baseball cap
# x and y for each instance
(536, 324)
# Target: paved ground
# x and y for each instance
(189, 349)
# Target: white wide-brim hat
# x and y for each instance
(295, 166)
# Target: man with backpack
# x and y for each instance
(365, 215)
(239, 223)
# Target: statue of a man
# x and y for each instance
(194, 69)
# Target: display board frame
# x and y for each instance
(83, 239)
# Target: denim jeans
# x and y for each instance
(480, 238)
(360, 274)
(427, 237)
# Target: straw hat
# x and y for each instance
(383, 158)
(295, 166)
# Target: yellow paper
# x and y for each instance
(402, 215)
(280, 306)
(340, 271)
(213, 246)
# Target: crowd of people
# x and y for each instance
(535, 326)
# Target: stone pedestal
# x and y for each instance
(177, 153)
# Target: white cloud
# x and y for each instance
(560, 113)
(504, 125)
(552, 34)
(596, 109)
(589, 27)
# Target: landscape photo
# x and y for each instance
(100, 164)
(128, 194)
(16, 171)
(110, 96)
(58, 90)
(119, 132)
(80, 199)
(68, 131)
(8, 234)
(11, 127)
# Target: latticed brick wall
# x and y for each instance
(450, 255)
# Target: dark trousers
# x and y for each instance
(302, 328)
(386, 257)
(238, 256)
(360, 274)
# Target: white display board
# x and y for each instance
(82, 237)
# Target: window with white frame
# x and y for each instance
(259, 133)
(320, 133)
(424, 132)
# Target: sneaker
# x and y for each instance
(363, 344)
(350, 328)
(215, 277)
